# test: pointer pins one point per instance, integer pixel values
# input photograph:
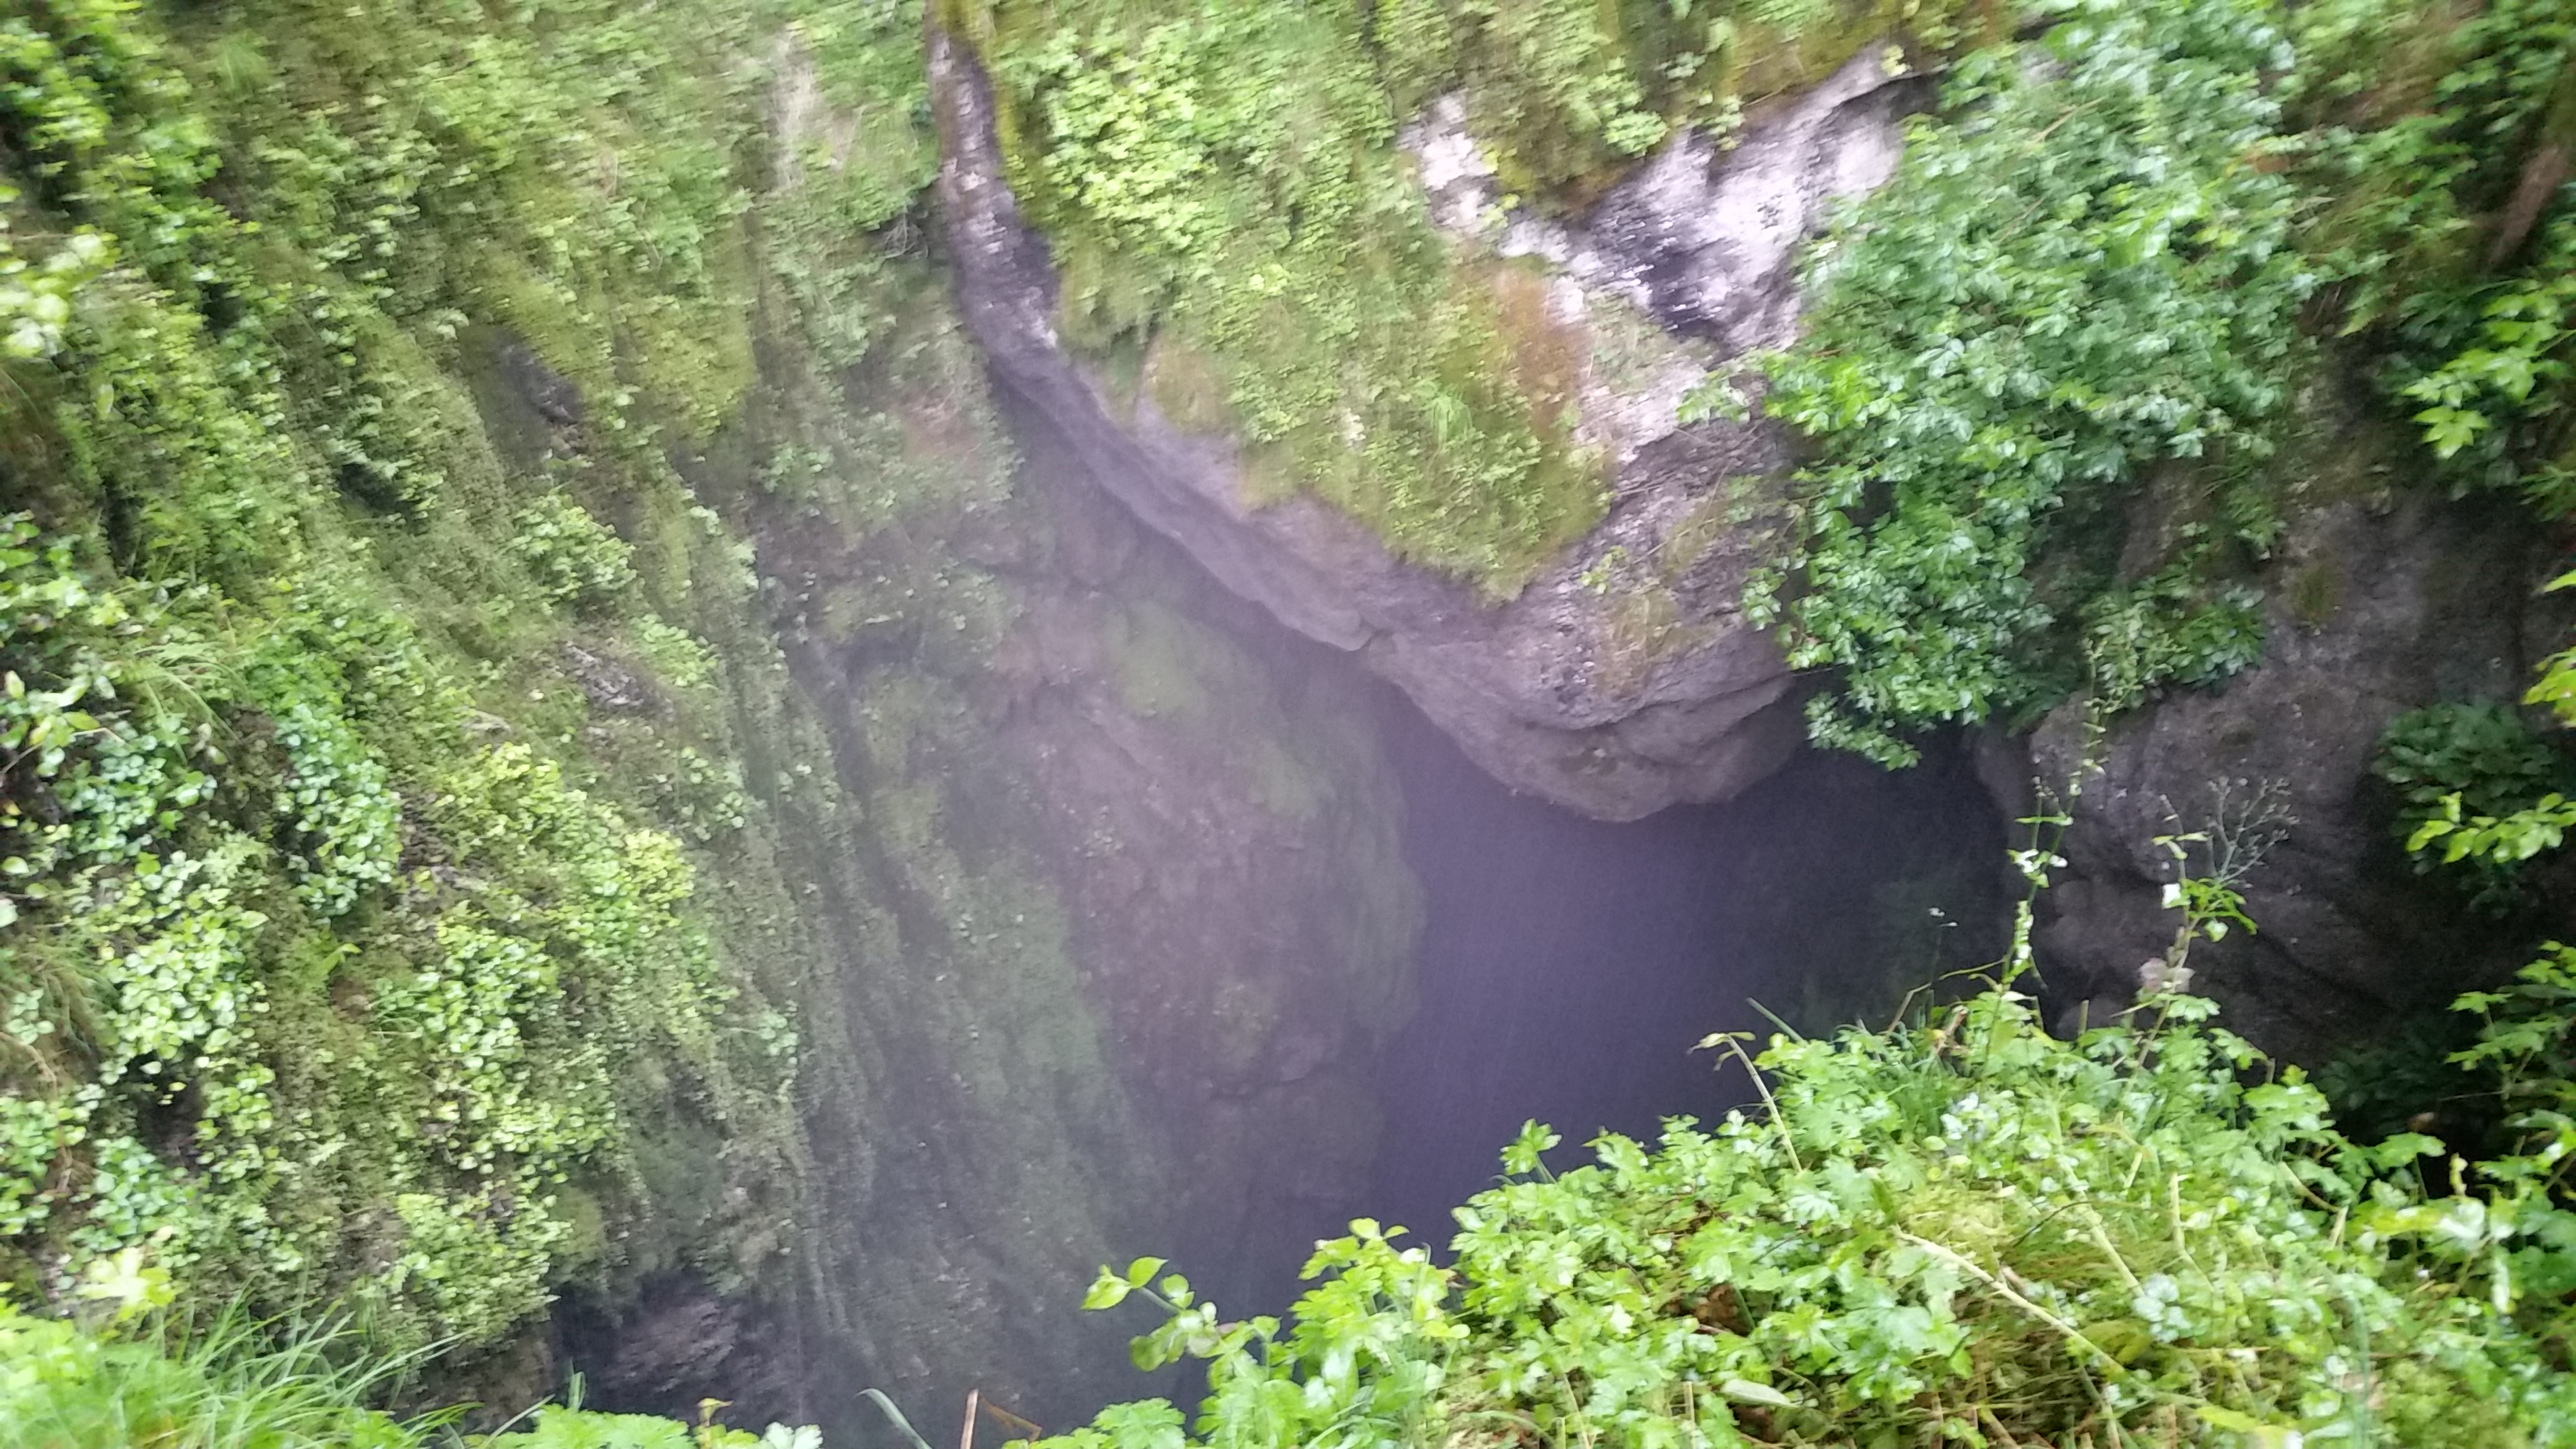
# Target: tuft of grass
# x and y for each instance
(227, 1381)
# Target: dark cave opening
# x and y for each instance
(1569, 965)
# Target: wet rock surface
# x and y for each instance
(1624, 678)
(677, 1342)
(1227, 829)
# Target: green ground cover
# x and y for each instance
(349, 949)
(1239, 235)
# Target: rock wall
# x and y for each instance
(1103, 909)
(1099, 912)
(2378, 602)
(1624, 678)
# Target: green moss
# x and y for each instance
(1229, 211)
(1282, 784)
(2314, 592)
(275, 445)
(534, 968)
(1566, 94)
(1162, 662)
(1223, 182)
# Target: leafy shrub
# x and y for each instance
(1554, 90)
(2482, 752)
(1227, 204)
(337, 800)
(1238, 234)
(36, 298)
(2016, 328)
(2170, 629)
(2434, 129)
(308, 988)
(2527, 1046)
(2083, 293)
(702, 798)
(2473, 776)
(1960, 1231)
(2508, 374)
(483, 1073)
(677, 657)
(2476, 779)
(574, 557)
(1963, 1231)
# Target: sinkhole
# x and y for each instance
(1568, 966)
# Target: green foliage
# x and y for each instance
(2555, 688)
(2482, 752)
(169, 899)
(2171, 629)
(1554, 88)
(2079, 274)
(1965, 1231)
(561, 1427)
(2491, 840)
(575, 558)
(1238, 235)
(2077, 316)
(337, 802)
(1565, 93)
(2527, 1046)
(1230, 215)
(136, 1377)
(2435, 129)
(2511, 371)
(2516, 1239)
(212, 1389)
(677, 657)
(335, 950)
(2423, 118)
(371, 283)
(36, 298)
(2475, 779)
(2478, 789)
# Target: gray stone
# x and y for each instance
(1619, 680)
(2408, 600)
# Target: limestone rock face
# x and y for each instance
(1108, 935)
(1088, 892)
(1623, 678)
(2377, 606)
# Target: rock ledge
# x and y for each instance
(1622, 679)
